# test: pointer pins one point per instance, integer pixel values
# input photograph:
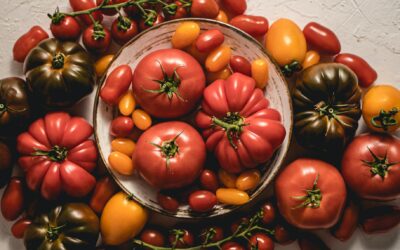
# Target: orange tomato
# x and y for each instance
(219, 58)
(227, 179)
(232, 196)
(127, 103)
(123, 145)
(223, 74)
(186, 33)
(141, 119)
(222, 17)
(248, 180)
(260, 72)
(312, 57)
(121, 163)
(102, 64)
(199, 56)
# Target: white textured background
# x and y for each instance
(369, 28)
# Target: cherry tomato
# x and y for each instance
(322, 39)
(218, 58)
(209, 180)
(210, 40)
(222, 17)
(227, 179)
(109, 12)
(309, 241)
(348, 222)
(248, 180)
(121, 163)
(141, 119)
(312, 57)
(185, 34)
(152, 237)
(240, 64)
(27, 42)
(78, 5)
(116, 84)
(261, 241)
(123, 29)
(204, 8)
(235, 225)
(127, 104)
(230, 245)
(13, 199)
(269, 213)
(365, 73)
(199, 56)
(255, 26)
(101, 65)
(96, 38)
(236, 7)
(167, 202)
(216, 232)
(65, 27)
(260, 72)
(284, 234)
(223, 74)
(231, 196)
(202, 201)
(121, 126)
(181, 238)
(19, 227)
(181, 11)
(159, 18)
(123, 145)
(380, 219)
(104, 190)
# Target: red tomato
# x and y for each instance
(238, 124)
(170, 155)
(209, 180)
(235, 225)
(57, 155)
(269, 213)
(96, 38)
(348, 222)
(255, 26)
(209, 40)
(371, 166)
(167, 202)
(365, 73)
(123, 29)
(284, 234)
(65, 27)
(236, 7)
(181, 238)
(121, 126)
(181, 11)
(13, 199)
(261, 241)
(202, 201)
(78, 5)
(152, 237)
(322, 39)
(230, 245)
(104, 190)
(110, 12)
(19, 227)
(159, 18)
(309, 241)
(168, 83)
(215, 234)
(380, 219)
(27, 42)
(241, 65)
(116, 84)
(204, 8)
(311, 194)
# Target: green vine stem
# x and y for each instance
(232, 124)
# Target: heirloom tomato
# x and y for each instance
(238, 124)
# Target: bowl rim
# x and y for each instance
(262, 187)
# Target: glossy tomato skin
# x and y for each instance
(359, 175)
(380, 219)
(348, 223)
(27, 42)
(269, 213)
(167, 202)
(122, 36)
(204, 8)
(202, 201)
(186, 240)
(116, 84)
(230, 245)
(121, 126)
(322, 39)
(209, 180)
(19, 227)
(365, 73)
(309, 241)
(67, 29)
(235, 225)
(104, 190)
(219, 234)
(261, 241)
(78, 5)
(188, 90)
(284, 234)
(236, 7)
(255, 26)
(13, 199)
(240, 64)
(99, 45)
(209, 40)
(332, 189)
(152, 237)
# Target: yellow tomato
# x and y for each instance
(123, 145)
(101, 65)
(227, 179)
(122, 219)
(141, 119)
(222, 17)
(219, 58)
(200, 56)
(286, 42)
(232, 196)
(381, 108)
(121, 163)
(248, 180)
(185, 35)
(312, 57)
(223, 74)
(127, 103)
(260, 72)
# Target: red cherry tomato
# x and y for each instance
(27, 42)
(365, 73)
(235, 225)
(204, 8)
(269, 213)
(167, 202)
(322, 39)
(96, 38)
(65, 28)
(117, 83)
(13, 199)
(123, 29)
(202, 201)
(284, 234)
(348, 222)
(157, 20)
(255, 26)
(181, 11)
(261, 241)
(152, 237)
(104, 190)
(241, 65)
(209, 40)
(19, 227)
(217, 232)
(121, 126)
(309, 241)
(110, 12)
(230, 245)
(181, 238)
(209, 180)
(78, 5)
(380, 219)
(236, 7)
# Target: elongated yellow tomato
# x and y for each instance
(219, 58)
(381, 108)
(286, 42)
(260, 72)
(122, 219)
(248, 180)
(227, 179)
(101, 65)
(141, 119)
(121, 163)
(223, 74)
(127, 103)
(312, 57)
(185, 35)
(123, 145)
(222, 17)
(232, 196)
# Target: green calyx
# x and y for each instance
(232, 124)
(312, 198)
(379, 166)
(334, 111)
(56, 154)
(169, 148)
(289, 69)
(53, 233)
(98, 31)
(124, 23)
(57, 16)
(58, 61)
(385, 119)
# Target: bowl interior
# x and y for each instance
(159, 37)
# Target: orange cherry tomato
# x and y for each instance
(227, 179)
(222, 17)
(312, 58)
(141, 119)
(232, 196)
(223, 74)
(248, 180)
(101, 65)
(123, 145)
(186, 33)
(199, 56)
(121, 163)
(218, 58)
(127, 103)
(260, 72)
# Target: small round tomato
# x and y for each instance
(322, 39)
(181, 238)
(381, 108)
(202, 201)
(218, 58)
(255, 26)
(180, 11)
(143, 25)
(121, 163)
(80, 5)
(231, 196)
(64, 27)
(152, 237)
(123, 145)
(248, 180)
(127, 104)
(116, 84)
(13, 199)
(209, 180)
(380, 219)
(261, 241)
(101, 64)
(121, 126)
(204, 8)
(312, 57)
(222, 17)
(284, 234)
(19, 227)
(213, 234)
(123, 29)
(210, 40)
(236, 7)
(269, 213)
(230, 245)
(260, 72)
(141, 119)
(227, 179)
(240, 64)
(235, 225)
(96, 38)
(223, 74)
(167, 202)
(185, 34)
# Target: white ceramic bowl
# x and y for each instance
(159, 37)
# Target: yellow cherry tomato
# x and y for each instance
(185, 35)
(381, 108)
(219, 58)
(227, 179)
(101, 65)
(286, 42)
(141, 119)
(127, 103)
(199, 56)
(223, 74)
(122, 219)
(222, 17)
(121, 163)
(248, 180)
(123, 145)
(260, 72)
(232, 196)
(312, 57)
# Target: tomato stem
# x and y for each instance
(58, 61)
(56, 154)
(57, 17)
(232, 124)
(385, 119)
(289, 69)
(312, 198)
(53, 232)
(334, 111)
(169, 148)
(379, 166)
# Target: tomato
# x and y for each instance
(255, 26)
(211, 234)
(236, 7)
(19, 227)
(224, 74)
(209, 180)
(210, 40)
(199, 56)
(284, 234)
(123, 145)
(248, 180)
(121, 126)
(65, 27)
(231, 196)
(185, 34)
(123, 29)
(141, 119)
(13, 199)
(365, 73)
(127, 104)
(227, 179)
(380, 219)
(168, 83)
(101, 65)
(204, 8)
(152, 237)
(230, 245)
(286, 44)
(310, 193)
(6, 157)
(170, 155)
(122, 219)
(219, 58)
(168, 202)
(181, 238)
(269, 213)
(309, 241)
(381, 108)
(27, 42)
(109, 12)
(240, 136)
(321, 39)
(260, 72)
(348, 222)
(240, 64)
(222, 17)
(78, 5)
(96, 38)
(180, 11)
(235, 225)
(121, 163)
(202, 201)
(116, 84)
(312, 57)
(104, 190)
(371, 166)
(261, 241)
(159, 18)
